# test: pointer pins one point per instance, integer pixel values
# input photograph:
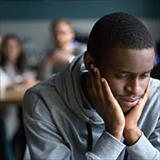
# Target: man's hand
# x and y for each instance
(131, 131)
(105, 104)
(109, 109)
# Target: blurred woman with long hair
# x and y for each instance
(13, 74)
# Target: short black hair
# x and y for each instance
(118, 30)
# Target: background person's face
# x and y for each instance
(128, 72)
(63, 34)
(12, 50)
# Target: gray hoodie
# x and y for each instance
(61, 124)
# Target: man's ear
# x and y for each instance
(88, 60)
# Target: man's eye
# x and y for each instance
(145, 76)
(120, 76)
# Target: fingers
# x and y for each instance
(96, 86)
(106, 89)
(144, 98)
(97, 83)
(100, 91)
(92, 90)
(101, 94)
(108, 94)
(137, 110)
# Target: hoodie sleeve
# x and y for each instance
(106, 147)
(43, 139)
(147, 149)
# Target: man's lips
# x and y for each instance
(129, 102)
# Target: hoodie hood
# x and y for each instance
(68, 84)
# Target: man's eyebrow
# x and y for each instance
(148, 71)
(129, 72)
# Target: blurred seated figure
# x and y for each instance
(13, 62)
(1, 39)
(156, 70)
(13, 74)
(158, 52)
(65, 48)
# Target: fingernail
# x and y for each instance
(103, 80)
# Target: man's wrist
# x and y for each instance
(132, 136)
(116, 134)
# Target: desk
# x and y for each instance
(12, 96)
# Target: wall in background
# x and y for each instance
(31, 19)
(49, 9)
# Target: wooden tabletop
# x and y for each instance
(12, 96)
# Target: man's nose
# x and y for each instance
(133, 86)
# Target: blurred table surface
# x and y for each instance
(12, 96)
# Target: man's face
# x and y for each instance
(128, 72)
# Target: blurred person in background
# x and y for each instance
(156, 70)
(65, 48)
(2, 129)
(158, 52)
(13, 74)
(1, 40)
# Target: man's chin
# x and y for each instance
(125, 110)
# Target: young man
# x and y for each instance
(105, 108)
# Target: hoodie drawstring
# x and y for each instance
(90, 137)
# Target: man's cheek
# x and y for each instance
(116, 88)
